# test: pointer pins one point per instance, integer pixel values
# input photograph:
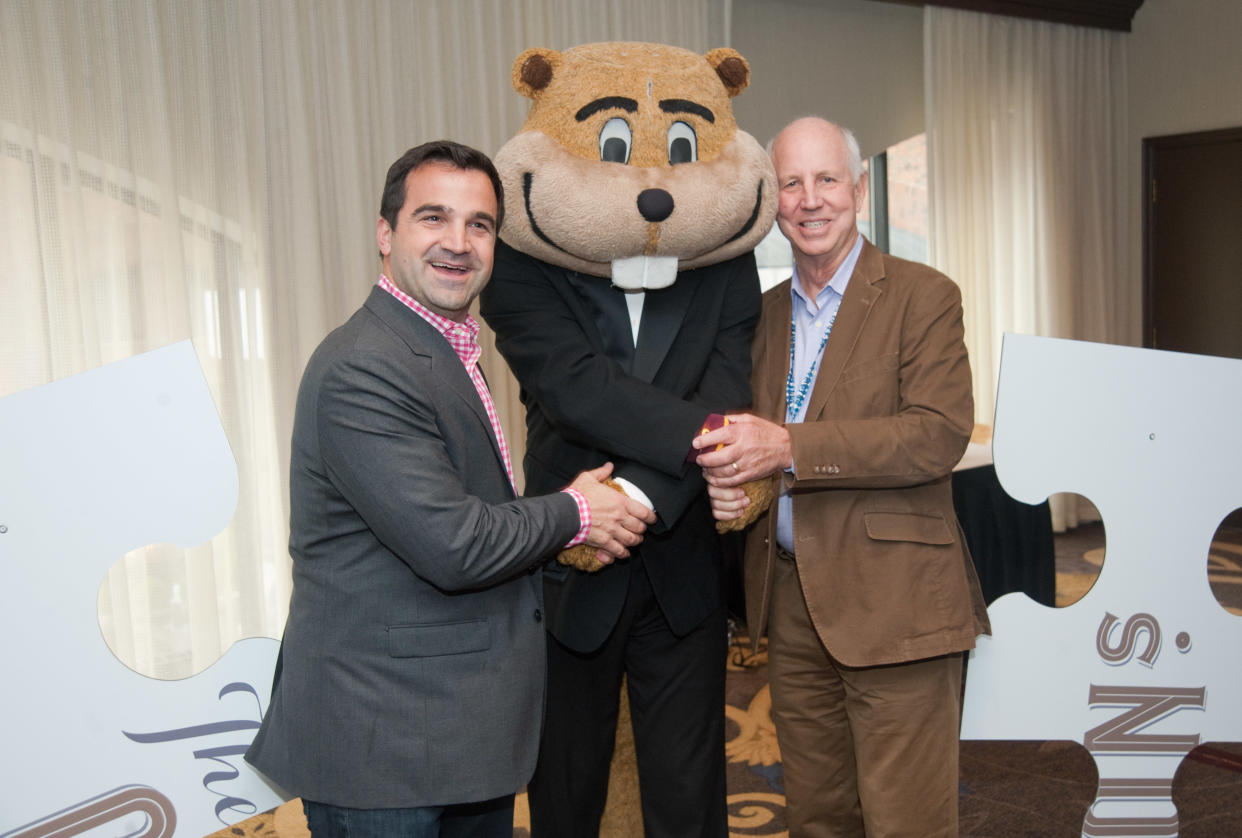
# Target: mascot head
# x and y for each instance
(630, 164)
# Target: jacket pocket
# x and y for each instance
(908, 526)
(885, 363)
(435, 639)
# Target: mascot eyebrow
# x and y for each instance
(603, 104)
(627, 104)
(686, 106)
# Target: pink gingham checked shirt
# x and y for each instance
(464, 338)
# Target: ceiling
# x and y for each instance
(1102, 14)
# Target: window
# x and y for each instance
(904, 200)
(99, 263)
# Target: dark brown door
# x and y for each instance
(1192, 246)
(1192, 243)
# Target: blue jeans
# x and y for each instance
(488, 819)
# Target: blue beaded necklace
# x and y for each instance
(794, 404)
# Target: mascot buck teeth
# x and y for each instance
(624, 298)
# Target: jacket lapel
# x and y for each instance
(663, 313)
(864, 289)
(776, 365)
(423, 340)
(604, 307)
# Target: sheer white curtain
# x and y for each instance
(174, 169)
(1026, 149)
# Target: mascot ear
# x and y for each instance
(731, 67)
(533, 70)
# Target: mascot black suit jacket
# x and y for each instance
(630, 185)
(591, 396)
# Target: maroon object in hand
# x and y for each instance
(711, 423)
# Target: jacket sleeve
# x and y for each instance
(380, 433)
(923, 438)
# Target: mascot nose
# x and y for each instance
(655, 204)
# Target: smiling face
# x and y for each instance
(631, 151)
(819, 199)
(440, 252)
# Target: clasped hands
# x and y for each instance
(736, 460)
(617, 521)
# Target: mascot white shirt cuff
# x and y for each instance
(634, 492)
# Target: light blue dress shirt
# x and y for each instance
(811, 319)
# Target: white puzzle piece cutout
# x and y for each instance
(1145, 666)
(92, 467)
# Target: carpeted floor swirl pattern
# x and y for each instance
(1007, 789)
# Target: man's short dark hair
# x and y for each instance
(455, 154)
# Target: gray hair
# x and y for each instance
(853, 157)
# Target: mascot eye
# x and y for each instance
(614, 141)
(683, 145)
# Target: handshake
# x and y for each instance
(617, 521)
(738, 455)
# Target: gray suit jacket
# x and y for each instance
(412, 667)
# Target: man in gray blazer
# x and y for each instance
(408, 693)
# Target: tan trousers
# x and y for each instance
(866, 752)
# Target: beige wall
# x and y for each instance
(859, 63)
(1185, 75)
(1185, 61)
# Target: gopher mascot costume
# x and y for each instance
(624, 298)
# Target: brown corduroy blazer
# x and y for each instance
(882, 561)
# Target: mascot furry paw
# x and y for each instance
(635, 202)
(759, 493)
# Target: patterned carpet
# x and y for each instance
(1007, 789)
